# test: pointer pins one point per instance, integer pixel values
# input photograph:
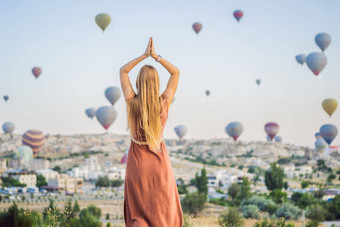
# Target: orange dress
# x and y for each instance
(150, 192)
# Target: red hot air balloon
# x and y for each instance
(36, 72)
(238, 14)
(197, 27)
(271, 129)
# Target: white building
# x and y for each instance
(222, 178)
(65, 183)
(36, 164)
(23, 177)
(47, 173)
(295, 171)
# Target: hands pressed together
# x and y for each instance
(150, 50)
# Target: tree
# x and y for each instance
(233, 190)
(231, 218)
(304, 184)
(193, 203)
(76, 207)
(10, 181)
(202, 182)
(57, 168)
(68, 209)
(95, 211)
(278, 196)
(244, 190)
(41, 181)
(274, 177)
(285, 185)
(330, 178)
(107, 216)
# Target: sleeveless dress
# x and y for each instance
(150, 192)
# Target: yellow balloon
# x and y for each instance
(329, 105)
(103, 20)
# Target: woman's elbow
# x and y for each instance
(176, 72)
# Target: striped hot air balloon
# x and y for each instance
(35, 139)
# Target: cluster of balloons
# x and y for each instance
(316, 61)
(106, 115)
(197, 26)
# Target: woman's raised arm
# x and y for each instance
(124, 73)
(171, 88)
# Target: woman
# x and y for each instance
(150, 194)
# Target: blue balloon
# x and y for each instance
(317, 135)
(323, 40)
(90, 112)
(278, 139)
(112, 94)
(301, 58)
(328, 132)
(234, 129)
(106, 115)
(8, 127)
(6, 97)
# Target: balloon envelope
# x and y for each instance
(320, 145)
(35, 139)
(8, 127)
(271, 128)
(36, 72)
(301, 58)
(323, 40)
(238, 14)
(207, 92)
(197, 27)
(234, 129)
(278, 139)
(329, 105)
(328, 132)
(6, 97)
(103, 20)
(24, 152)
(258, 81)
(112, 94)
(90, 112)
(106, 115)
(316, 62)
(180, 131)
(317, 135)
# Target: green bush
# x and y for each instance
(266, 222)
(251, 211)
(232, 218)
(288, 211)
(264, 205)
(316, 212)
(193, 203)
(312, 223)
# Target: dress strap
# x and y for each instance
(141, 142)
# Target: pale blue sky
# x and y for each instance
(79, 62)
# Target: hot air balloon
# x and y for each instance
(197, 27)
(328, 132)
(124, 158)
(323, 40)
(180, 131)
(6, 97)
(234, 129)
(90, 112)
(258, 81)
(207, 92)
(317, 135)
(238, 14)
(316, 62)
(35, 139)
(329, 105)
(8, 127)
(271, 129)
(112, 94)
(103, 20)
(278, 139)
(106, 115)
(24, 152)
(320, 145)
(36, 72)
(301, 58)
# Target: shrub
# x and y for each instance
(316, 212)
(264, 205)
(251, 211)
(193, 203)
(266, 222)
(288, 211)
(312, 223)
(232, 218)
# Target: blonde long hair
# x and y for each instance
(144, 110)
